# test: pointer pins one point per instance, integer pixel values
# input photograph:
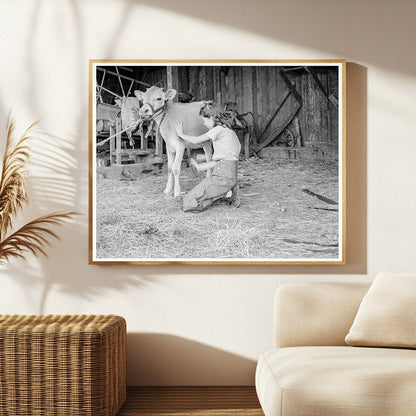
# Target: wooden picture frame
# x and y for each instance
(289, 117)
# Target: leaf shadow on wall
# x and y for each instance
(163, 359)
(333, 27)
(60, 182)
(52, 188)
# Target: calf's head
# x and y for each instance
(153, 100)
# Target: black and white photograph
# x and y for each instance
(217, 162)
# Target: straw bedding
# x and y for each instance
(276, 219)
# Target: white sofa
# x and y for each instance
(311, 371)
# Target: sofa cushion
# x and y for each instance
(387, 314)
(315, 314)
(342, 381)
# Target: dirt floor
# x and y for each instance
(277, 219)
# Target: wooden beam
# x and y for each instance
(321, 197)
(255, 106)
(330, 97)
(111, 92)
(118, 141)
(131, 86)
(173, 79)
(119, 80)
(274, 115)
(217, 86)
(126, 68)
(247, 145)
(283, 115)
(291, 87)
(124, 77)
(112, 143)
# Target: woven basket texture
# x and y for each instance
(62, 365)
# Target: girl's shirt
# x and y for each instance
(225, 143)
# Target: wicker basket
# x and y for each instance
(52, 365)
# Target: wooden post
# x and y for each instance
(125, 77)
(247, 145)
(298, 136)
(331, 97)
(158, 144)
(217, 85)
(255, 106)
(173, 79)
(118, 141)
(112, 143)
(143, 137)
(219, 98)
(131, 85)
(121, 84)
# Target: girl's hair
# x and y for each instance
(221, 117)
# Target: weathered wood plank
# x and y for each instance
(332, 99)
(123, 76)
(273, 93)
(246, 145)
(262, 90)
(112, 142)
(231, 85)
(254, 77)
(202, 80)
(172, 79)
(238, 88)
(271, 118)
(209, 83)
(183, 79)
(247, 89)
(283, 114)
(193, 82)
(266, 111)
(118, 141)
(224, 87)
(281, 120)
(217, 86)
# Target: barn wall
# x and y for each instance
(317, 117)
(198, 324)
(261, 90)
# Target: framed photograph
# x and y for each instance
(217, 162)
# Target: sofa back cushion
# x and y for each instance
(387, 314)
(309, 314)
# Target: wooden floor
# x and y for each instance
(191, 401)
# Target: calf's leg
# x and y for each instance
(169, 185)
(176, 169)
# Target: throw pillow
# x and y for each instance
(387, 314)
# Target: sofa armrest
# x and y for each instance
(315, 313)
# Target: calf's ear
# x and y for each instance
(139, 94)
(170, 94)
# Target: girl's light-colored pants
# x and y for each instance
(224, 177)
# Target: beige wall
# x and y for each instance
(204, 325)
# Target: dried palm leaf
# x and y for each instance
(33, 237)
(12, 183)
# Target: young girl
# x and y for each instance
(224, 160)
